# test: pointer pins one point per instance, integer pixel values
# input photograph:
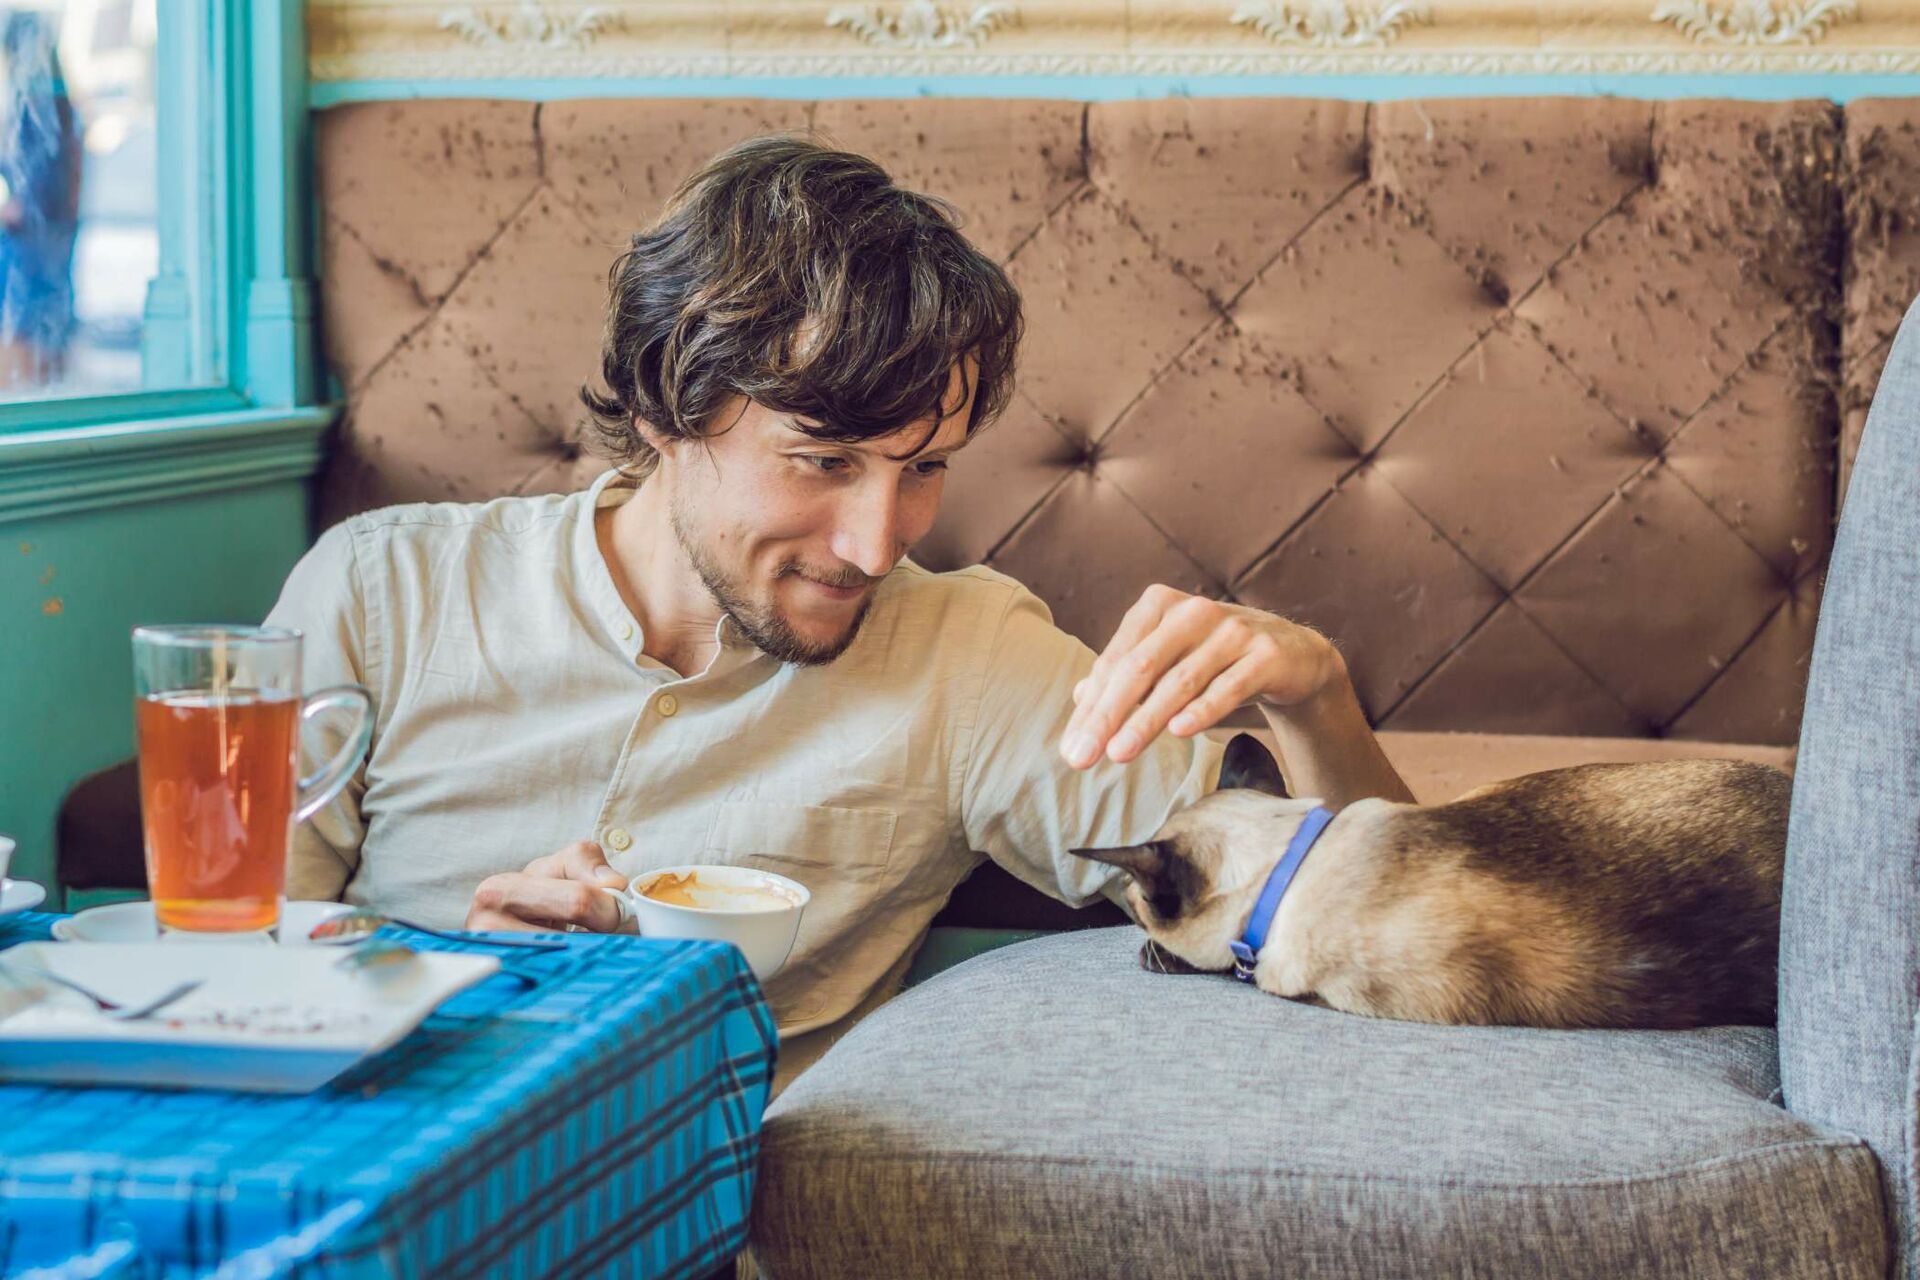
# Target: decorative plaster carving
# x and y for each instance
(670, 40)
(529, 25)
(1329, 24)
(1755, 21)
(1731, 60)
(921, 24)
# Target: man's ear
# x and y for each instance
(656, 439)
(1250, 765)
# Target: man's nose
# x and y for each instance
(867, 535)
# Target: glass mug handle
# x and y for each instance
(325, 782)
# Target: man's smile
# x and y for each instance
(837, 591)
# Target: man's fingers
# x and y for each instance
(586, 861)
(1183, 628)
(1138, 624)
(1109, 699)
(494, 922)
(1231, 688)
(544, 902)
(553, 892)
(582, 860)
(1176, 691)
(1135, 626)
(489, 908)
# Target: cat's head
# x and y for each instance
(1192, 884)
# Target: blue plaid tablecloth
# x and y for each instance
(605, 1122)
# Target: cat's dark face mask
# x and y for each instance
(1166, 883)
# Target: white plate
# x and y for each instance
(20, 895)
(287, 1021)
(133, 922)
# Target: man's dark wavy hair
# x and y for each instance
(802, 278)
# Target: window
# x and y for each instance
(85, 307)
(152, 219)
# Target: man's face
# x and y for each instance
(791, 534)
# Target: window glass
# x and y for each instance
(91, 301)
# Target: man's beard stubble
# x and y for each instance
(765, 628)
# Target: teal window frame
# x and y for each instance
(244, 61)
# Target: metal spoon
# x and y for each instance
(381, 955)
(359, 923)
(377, 954)
(110, 1008)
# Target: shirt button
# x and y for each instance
(666, 704)
(624, 631)
(618, 840)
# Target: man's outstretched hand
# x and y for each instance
(1181, 663)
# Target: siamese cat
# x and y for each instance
(1606, 895)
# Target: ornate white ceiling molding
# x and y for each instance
(920, 24)
(1755, 21)
(425, 40)
(529, 26)
(1329, 24)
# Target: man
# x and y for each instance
(719, 652)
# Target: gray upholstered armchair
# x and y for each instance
(1050, 1109)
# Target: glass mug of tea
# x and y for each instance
(218, 712)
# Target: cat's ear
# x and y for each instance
(1167, 881)
(1250, 765)
(1156, 867)
(1144, 862)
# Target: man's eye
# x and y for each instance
(931, 467)
(825, 462)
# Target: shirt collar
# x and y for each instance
(728, 634)
(621, 628)
(611, 489)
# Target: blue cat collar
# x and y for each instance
(1246, 948)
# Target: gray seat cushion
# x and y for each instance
(1050, 1109)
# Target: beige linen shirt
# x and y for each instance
(515, 712)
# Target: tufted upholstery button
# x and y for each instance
(1088, 458)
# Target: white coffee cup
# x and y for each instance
(764, 929)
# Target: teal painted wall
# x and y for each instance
(72, 587)
(166, 506)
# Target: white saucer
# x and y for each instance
(133, 922)
(286, 1021)
(20, 895)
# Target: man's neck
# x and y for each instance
(676, 612)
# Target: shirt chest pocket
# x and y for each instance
(802, 836)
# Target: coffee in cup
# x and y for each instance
(688, 889)
(757, 911)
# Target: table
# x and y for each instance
(604, 1122)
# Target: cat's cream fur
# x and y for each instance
(1640, 895)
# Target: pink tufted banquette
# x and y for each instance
(1537, 406)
